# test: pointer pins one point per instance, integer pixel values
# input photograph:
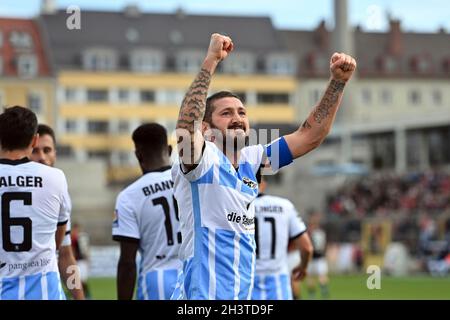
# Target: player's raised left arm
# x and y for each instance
(318, 124)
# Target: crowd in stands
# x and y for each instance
(382, 194)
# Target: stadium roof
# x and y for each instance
(167, 32)
(392, 54)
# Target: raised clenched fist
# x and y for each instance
(219, 47)
(342, 66)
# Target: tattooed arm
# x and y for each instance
(318, 124)
(192, 111)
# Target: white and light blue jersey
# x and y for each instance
(146, 213)
(33, 205)
(217, 227)
(277, 223)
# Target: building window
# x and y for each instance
(70, 126)
(97, 95)
(97, 127)
(281, 64)
(123, 126)
(123, 95)
(1, 38)
(273, 98)
(1, 64)
(386, 96)
(27, 65)
(242, 96)
(171, 96)
(124, 158)
(34, 101)
(366, 96)
(146, 61)
(437, 97)
(101, 155)
(64, 151)
(147, 96)
(189, 62)
(241, 63)
(70, 94)
(100, 59)
(415, 97)
(20, 39)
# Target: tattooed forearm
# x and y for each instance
(329, 100)
(193, 106)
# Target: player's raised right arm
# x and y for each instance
(192, 111)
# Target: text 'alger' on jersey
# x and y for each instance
(33, 203)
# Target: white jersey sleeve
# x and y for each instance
(126, 224)
(66, 206)
(296, 225)
(67, 241)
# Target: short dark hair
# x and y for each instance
(150, 139)
(18, 125)
(216, 96)
(44, 129)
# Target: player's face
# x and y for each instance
(230, 117)
(44, 152)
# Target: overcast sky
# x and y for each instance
(420, 16)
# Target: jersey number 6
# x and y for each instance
(8, 222)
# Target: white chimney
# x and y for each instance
(48, 6)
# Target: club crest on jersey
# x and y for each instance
(249, 183)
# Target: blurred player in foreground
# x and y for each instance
(318, 268)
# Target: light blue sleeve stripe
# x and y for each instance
(286, 290)
(170, 281)
(225, 273)
(151, 279)
(33, 287)
(10, 289)
(246, 269)
(271, 287)
(256, 294)
(53, 286)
